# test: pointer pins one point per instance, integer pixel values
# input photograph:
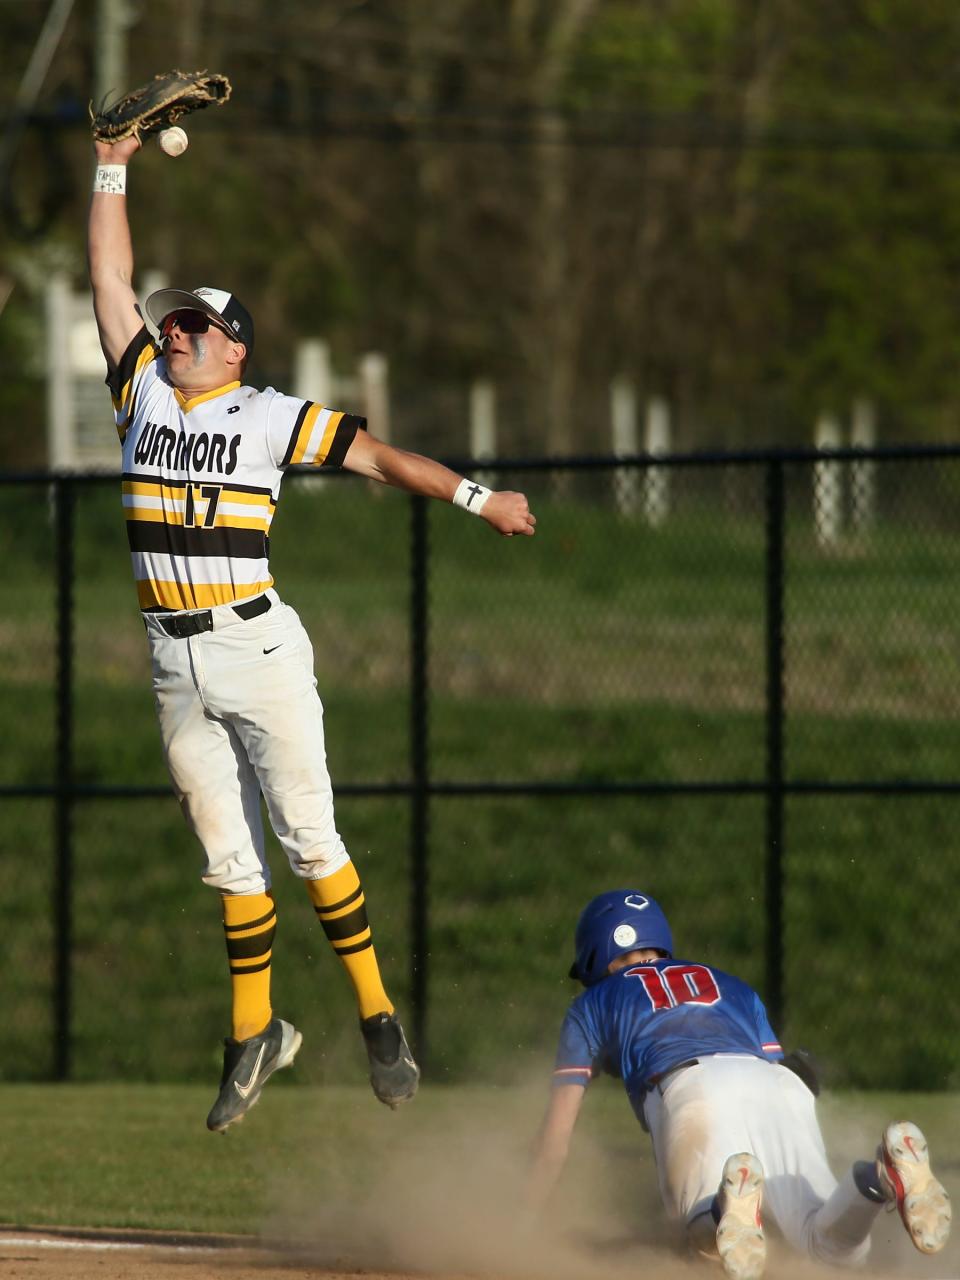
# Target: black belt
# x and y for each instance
(659, 1079)
(181, 625)
(655, 1082)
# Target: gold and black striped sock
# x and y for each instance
(339, 903)
(249, 923)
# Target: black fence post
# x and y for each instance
(775, 713)
(420, 773)
(64, 497)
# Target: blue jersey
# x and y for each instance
(645, 1019)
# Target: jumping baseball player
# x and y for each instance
(235, 693)
(734, 1129)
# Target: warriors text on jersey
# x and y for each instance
(645, 1019)
(201, 477)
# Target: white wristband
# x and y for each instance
(471, 496)
(111, 179)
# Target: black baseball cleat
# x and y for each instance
(393, 1073)
(247, 1066)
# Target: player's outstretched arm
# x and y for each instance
(553, 1145)
(506, 511)
(110, 250)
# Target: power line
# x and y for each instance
(634, 131)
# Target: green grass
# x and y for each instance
(600, 650)
(139, 1156)
(330, 1164)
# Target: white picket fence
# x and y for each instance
(80, 433)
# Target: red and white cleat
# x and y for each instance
(740, 1242)
(903, 1167)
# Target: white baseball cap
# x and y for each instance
(217, 303)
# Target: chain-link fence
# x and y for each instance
(730, 680)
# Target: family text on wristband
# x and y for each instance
(111, 179)
(472, 497)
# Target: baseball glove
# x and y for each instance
(803, 1064)
(158, 104)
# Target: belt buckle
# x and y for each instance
(182, 626)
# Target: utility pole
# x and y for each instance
(110, 52)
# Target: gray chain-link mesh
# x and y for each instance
(598, 713)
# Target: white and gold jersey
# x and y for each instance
(201, 477)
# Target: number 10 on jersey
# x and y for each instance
(677, 984)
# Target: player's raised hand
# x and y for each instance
(115, 152)
(509, 513)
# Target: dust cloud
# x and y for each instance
(444, 1191)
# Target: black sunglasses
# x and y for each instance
(191, 322)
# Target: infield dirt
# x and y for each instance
(438, 1198)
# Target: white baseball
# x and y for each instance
(173, 141)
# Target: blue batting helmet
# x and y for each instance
(612, 924)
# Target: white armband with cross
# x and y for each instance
(471, 496)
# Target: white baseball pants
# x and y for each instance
(239, 716)
(728, 1103)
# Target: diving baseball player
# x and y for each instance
(734, 1130)
(235, 693)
